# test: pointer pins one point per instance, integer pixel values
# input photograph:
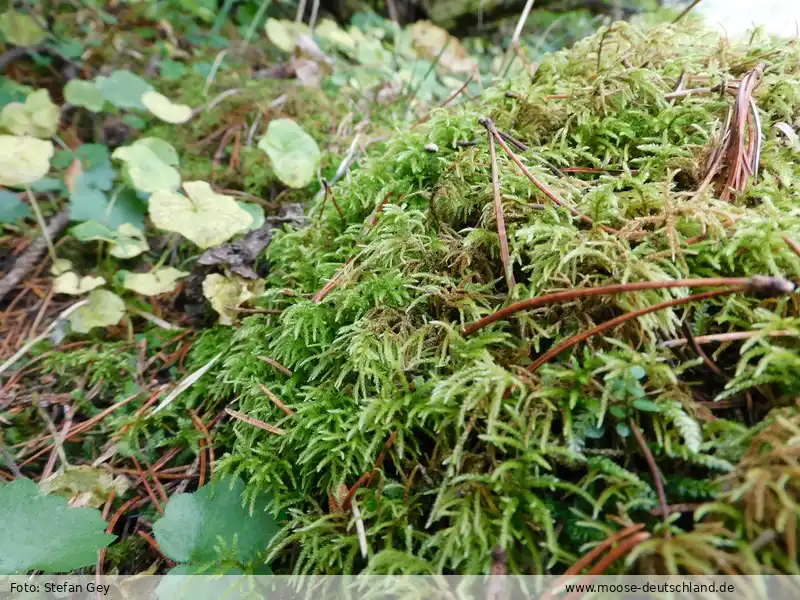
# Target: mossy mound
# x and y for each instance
(457, 446)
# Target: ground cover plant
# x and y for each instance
(400, 315)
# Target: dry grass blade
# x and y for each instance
(188, 382)
(24, 350)
(498, 213)
(254, 422)
(729, 337)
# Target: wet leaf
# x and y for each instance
(23, 159)
(165, 109)
(204, 217)
(294, 154)
(152, 284)
(105, 308)
(228, 293)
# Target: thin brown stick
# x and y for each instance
(617, 288)
(150, 492)
(501, 222)
(154, 544)
(254, 422)
(198, 422)
(577, 339)
(687, 329)
(657, 479)
(275, 400)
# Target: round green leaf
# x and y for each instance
(129, 241)
(23, 159)
(37, 117)
(164, 109)
(146, 169)
(105, 308)
(294, 154)
(204, 217)
(42, 533)
(84, 93)
(153, 284)
(195, 525)
(123, 89)
(69, 283)
(20, 29)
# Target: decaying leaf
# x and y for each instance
(430, 40)
(105, 308)
(294, 154)
(226, 294)
(161, 281)
(84, 485)
(23, 159)
(165, 109)
(203, 216)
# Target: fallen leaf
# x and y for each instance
(429, 40)
(20, 29)
(84, 485)
(228, 293)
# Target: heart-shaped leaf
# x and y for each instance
(164, 109)
(294, 154)
(41, 533)
(146, 167)
(105, 308)
(161, 281)
(84, 93)
(204, 217)
(23, 159)
(37, 116)
(194, 525)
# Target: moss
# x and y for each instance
(483, 454)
